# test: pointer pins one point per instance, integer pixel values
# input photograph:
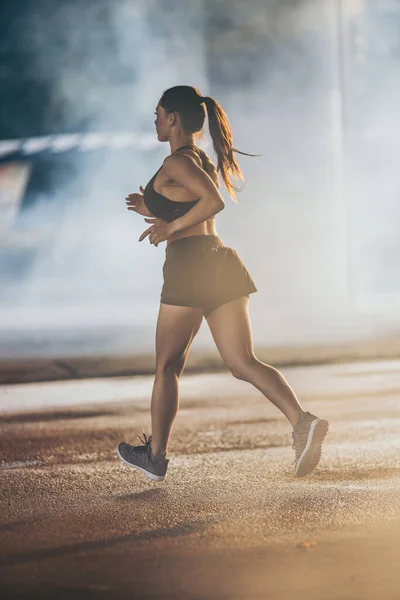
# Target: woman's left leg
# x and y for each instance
(230, 327)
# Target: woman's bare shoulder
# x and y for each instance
(178, 161)
(175, 157)
(199, 158)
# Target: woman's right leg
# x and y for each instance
(176, 329)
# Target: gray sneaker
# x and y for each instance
(308, 435)
(142, 459)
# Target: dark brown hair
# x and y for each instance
(188, 102)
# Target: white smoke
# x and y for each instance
(317, 213)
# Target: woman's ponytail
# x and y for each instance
(220, 131)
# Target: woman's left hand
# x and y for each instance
(160, 231)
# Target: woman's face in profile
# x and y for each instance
(161, 123)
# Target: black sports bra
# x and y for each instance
(162, 207)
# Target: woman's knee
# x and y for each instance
(242, 368)
(172, 365)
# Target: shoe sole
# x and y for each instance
(147, 473)
(311, 454)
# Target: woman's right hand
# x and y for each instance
(135, 202)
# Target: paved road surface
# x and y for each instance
(228, 520)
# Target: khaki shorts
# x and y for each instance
(200, 271)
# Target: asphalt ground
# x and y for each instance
(230, 521)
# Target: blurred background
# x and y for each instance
(312, 86)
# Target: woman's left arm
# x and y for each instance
(185, 171)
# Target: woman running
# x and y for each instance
(202, 277)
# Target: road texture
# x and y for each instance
(230, 521)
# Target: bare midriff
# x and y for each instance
(205, 228)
